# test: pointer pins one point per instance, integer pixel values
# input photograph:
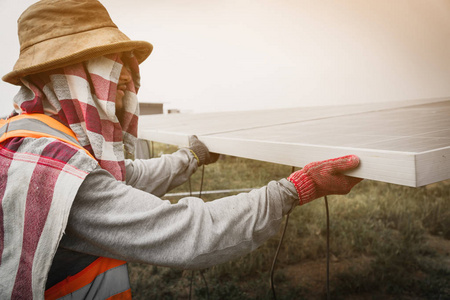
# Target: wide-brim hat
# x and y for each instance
(58, 33)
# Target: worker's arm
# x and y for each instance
(159, 175)
(111, 219)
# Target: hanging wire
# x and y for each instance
(206, 284)
(275, 258)
(272, 269)
(192, 272)
(201, 182)
(201, 271)
(190, 286)
(328, 248)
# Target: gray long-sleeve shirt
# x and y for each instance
(130, 222)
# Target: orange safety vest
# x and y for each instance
(107, 271)
(109, 277)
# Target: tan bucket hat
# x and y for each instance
(57, 33)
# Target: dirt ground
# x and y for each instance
(312, 274)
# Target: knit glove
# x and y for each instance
(201, 152)
(323, 178)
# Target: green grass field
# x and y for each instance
(386, 242)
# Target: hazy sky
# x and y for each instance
(212, 55)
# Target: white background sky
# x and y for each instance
(212, 55)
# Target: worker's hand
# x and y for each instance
(201, 152)
(322, 178)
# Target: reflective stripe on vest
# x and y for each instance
(37, 126)
(104, 278)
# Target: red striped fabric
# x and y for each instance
(38, 204)
(104, 89)
(4, 165)
(42, 167)
(82, 97)
(5, 162)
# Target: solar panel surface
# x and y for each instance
(406, 143)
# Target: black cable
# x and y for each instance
(327, 254)
(192, 272)
(190, 286)
(206, 284)
(276, 256)
(200, 195)
(272, 269)
(328, 247)
(201, 182)
(201, 271)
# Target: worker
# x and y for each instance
(74, 207)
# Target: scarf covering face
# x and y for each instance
(82, 97)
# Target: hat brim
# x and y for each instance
(59, 52)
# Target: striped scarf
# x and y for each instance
(82, 97)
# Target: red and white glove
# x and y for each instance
(323, 178)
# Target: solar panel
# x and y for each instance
(406, 143)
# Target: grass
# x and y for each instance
(387, 242)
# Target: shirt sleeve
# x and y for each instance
(159, 175)
(109, 218)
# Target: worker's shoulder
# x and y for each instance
(48, 151)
